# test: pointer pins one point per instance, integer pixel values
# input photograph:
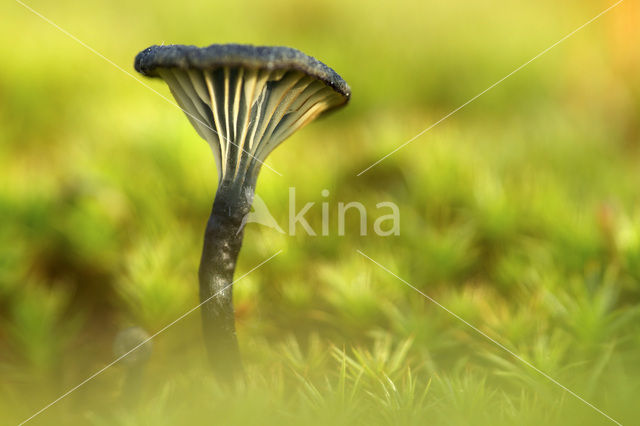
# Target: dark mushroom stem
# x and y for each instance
(222, 243)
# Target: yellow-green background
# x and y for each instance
(520, 213)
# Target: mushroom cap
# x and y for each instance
(237, 55)
(245, 100)
(129, 339)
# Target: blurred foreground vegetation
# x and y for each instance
(520, 213)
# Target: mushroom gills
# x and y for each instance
(245, 113)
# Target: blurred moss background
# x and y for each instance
(520, 213)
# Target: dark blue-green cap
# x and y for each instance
(238, 55)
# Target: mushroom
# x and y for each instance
(244, 101)
(132, 346)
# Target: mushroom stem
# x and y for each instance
(222, 243)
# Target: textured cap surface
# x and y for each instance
(239, 55)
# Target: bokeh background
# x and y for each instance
(520, 213)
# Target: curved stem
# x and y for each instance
(222, 242)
